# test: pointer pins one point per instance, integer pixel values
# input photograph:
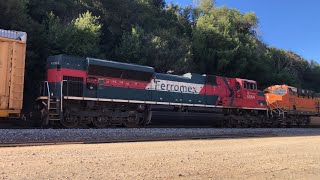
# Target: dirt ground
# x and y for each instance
(253, 158)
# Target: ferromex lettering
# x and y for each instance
(174, 86)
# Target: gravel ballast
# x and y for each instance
(122, 134)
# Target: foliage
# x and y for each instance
(79, 37)
(163, 49)
(224, 41)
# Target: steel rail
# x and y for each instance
(125, 140)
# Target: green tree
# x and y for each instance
(160, 50)
(80, 37)
(205, 6)
(13, 14)
(224, 42)
(85, 35)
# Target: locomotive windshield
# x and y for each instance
(281, 91)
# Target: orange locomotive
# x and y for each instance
(294, 106)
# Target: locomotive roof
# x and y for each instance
(248, 80)
(121, 65)
(188, 78)
(66, 61)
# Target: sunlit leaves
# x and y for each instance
(80, 37)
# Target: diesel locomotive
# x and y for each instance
(295, 106)
(81, 91)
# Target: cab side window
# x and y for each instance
(238, 86)
(291, 92)
(251, 86)
(245, 85)
(211, 80)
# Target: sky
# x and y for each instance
(288, 24)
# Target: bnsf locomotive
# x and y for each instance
(103, 93)
(293, 106)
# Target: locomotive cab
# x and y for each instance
(292, 100)
(68, 71)
(275, 93)
(248, 95)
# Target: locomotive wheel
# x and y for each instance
(131, 122)
(69, 121)
(44, 116)
(131, 125)
(101, 122)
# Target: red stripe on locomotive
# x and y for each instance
(117, 82)
(56, 75)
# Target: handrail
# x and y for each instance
(49, 95)
(275, 107)
(61, 101)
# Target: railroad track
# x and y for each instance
(180, 138)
